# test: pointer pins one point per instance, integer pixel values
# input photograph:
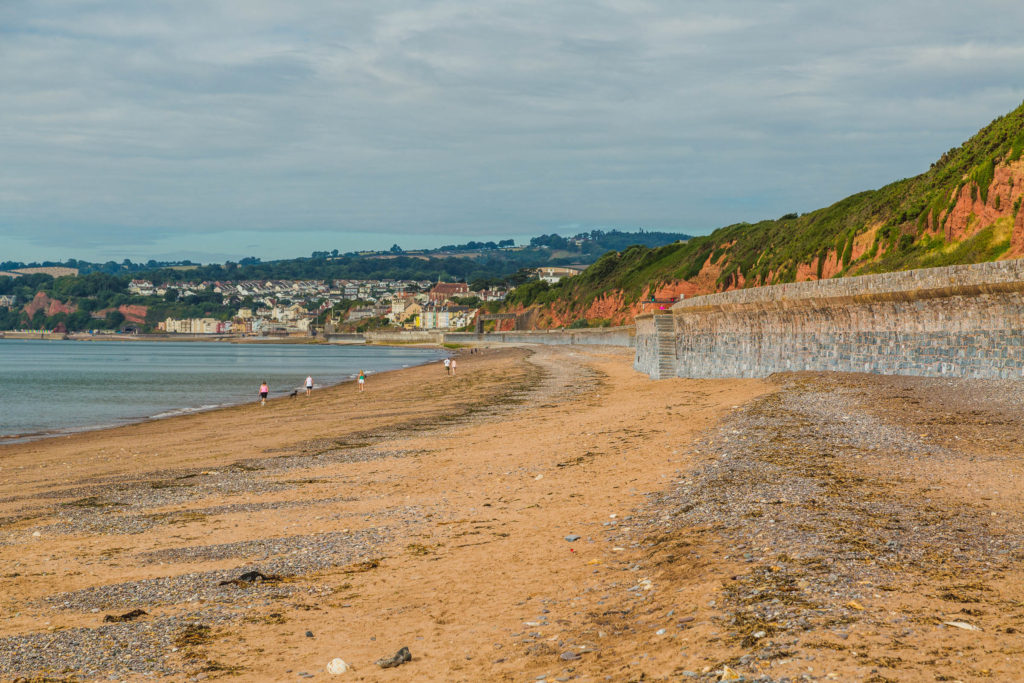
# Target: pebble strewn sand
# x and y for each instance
(548, 514)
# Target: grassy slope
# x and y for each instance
(770, 251)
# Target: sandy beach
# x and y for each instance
(546, 514)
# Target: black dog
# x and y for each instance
(293, 394)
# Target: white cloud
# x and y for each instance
(146, 121)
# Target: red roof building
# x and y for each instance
(443, 291)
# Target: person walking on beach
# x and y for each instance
(362, 380)
(309, 385)
(453, 367)
(264, 392)
(448, 366)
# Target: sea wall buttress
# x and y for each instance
(958, 321)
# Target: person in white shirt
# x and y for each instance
(309, 385)
(448, 366)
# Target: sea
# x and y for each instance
(59, 387)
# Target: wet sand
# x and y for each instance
(433, 512)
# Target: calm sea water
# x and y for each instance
(51, 387)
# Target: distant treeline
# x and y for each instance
(499, 265)
(496, 261)
(597, 242)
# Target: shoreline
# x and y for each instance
(174, 412)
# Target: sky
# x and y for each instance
(218, 129)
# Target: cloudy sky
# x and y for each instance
(214, 129)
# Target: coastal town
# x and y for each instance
(282, 308)
(302, 307)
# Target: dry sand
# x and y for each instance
(432, 512)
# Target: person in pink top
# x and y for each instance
(264, 392)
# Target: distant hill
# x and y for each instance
(489, 263)
(964, 209)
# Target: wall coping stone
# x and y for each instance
(908, 285)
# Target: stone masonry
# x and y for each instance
(958, 321)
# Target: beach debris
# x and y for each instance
(962, 625)
(572, 537)
(337, 666)
(309, 634)
(853, 604)
(569, 656)
(127, 616)
(249, 578)
(397, 659)
(36, 534)
(730, 675)
(538, 477)
(361, 566)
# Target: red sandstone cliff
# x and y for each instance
(42, 302)
(132, 313)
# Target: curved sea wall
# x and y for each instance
(958, 321)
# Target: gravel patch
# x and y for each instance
(299, 555)
(823, 496)
(143, 648)
(107, 521)
(267, 547)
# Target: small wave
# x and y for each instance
(186, 411)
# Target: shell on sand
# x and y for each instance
(337, 666)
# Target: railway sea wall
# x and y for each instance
(956, 321)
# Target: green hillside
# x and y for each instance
(909, 218)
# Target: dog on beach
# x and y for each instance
(293, 394)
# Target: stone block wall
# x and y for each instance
(960, 321)
(596, 336)
(646, 357)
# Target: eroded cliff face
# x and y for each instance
(974, 211)
(133, 313)
(42, 302)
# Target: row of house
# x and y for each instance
(287, 307)
(196, 326)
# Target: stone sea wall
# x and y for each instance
(959, 321)
(402, 337)
(646, 344)
(597, 336)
